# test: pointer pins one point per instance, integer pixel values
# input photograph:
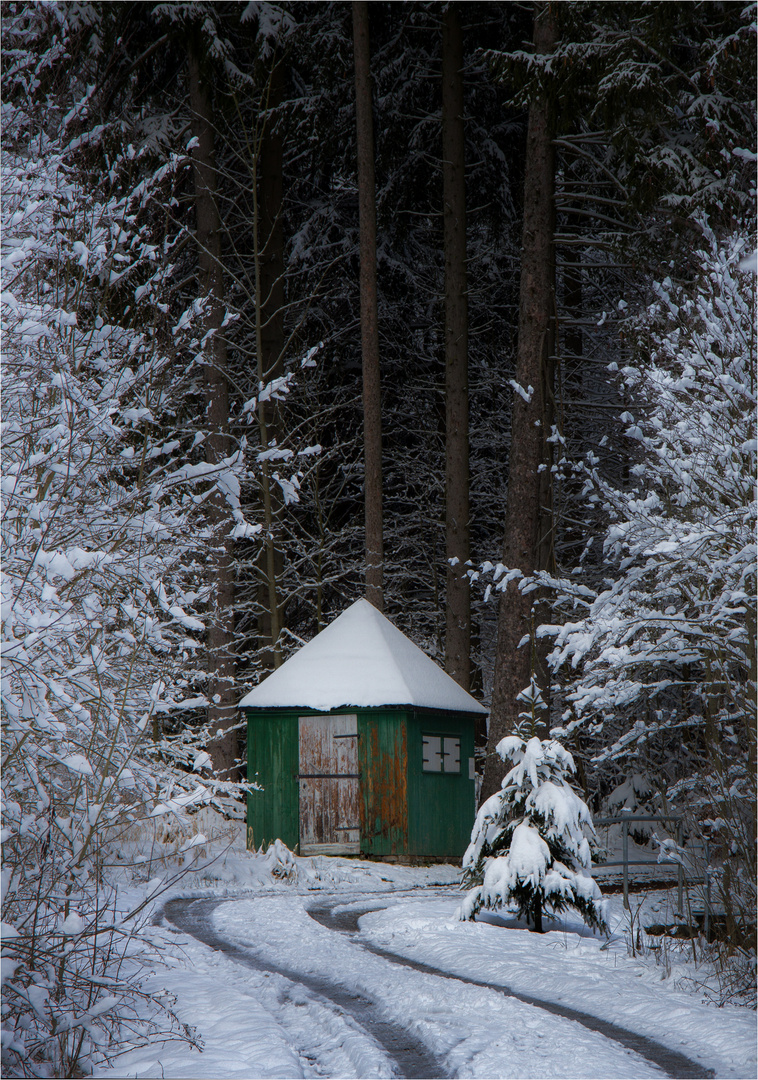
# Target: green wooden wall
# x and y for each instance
(441, 806)
(404, 810)
(272, 757)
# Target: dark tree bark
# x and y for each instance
(458, 605)
(372, 416)
(270, 259)
(222, 707)
(537, 915)
(528, 520)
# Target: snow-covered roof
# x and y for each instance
(362, 660)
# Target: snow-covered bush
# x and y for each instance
(530, 843)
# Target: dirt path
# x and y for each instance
(673, 1063)
(411, 1057)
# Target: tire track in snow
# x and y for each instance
(411, 1057)
(673, 1063)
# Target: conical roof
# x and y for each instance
(360, 660)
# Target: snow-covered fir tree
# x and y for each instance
(662, 654)
(529, 845)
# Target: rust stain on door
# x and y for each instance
(329, 785)
(385, 796)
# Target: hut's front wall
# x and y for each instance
(406, 808)
(274, 762)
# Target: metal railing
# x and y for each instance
(625, 862)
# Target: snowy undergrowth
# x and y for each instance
(101, 533)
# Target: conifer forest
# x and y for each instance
(448, 305)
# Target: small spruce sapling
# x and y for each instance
(529, 844)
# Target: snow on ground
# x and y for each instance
(257, 1023)
(252, 1025)
(570, 966)
(478, 1032)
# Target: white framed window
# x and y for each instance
(441, 753)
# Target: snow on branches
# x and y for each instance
(102, 593)
(674, 628)
(529, 845)
(663, 654)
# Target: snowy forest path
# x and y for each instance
(411, 1057)
(673, 1063)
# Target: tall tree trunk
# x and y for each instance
(372, 416)
(457, 545)
(528, 520)
(222, 707)
(569, 384)
(270, 300)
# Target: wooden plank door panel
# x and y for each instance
(329, 785)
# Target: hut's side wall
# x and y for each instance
(272, 755)
(383, 750)
(441, 806)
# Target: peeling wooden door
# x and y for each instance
(329, 785)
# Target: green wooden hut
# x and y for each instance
(362, 745)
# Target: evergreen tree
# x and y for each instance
(457, 509)
(528, 539)
(218, 447)
(529, 846)
(651, 125)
